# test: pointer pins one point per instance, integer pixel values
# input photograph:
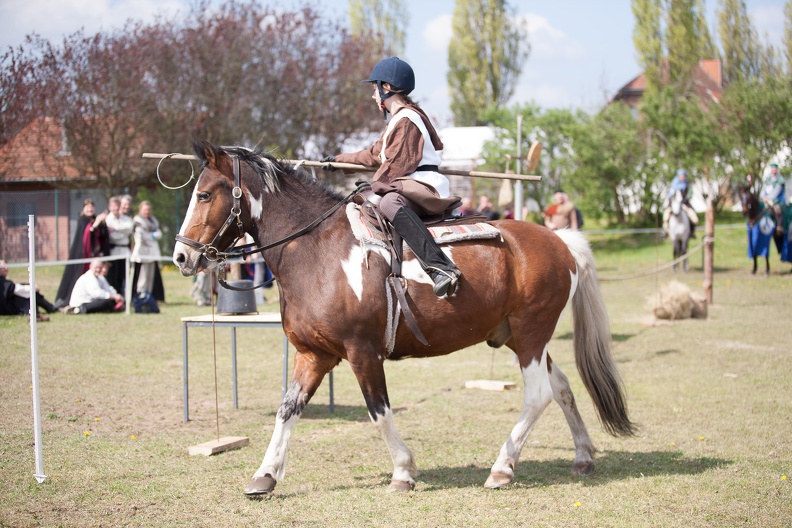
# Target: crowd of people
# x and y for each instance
(98, 285)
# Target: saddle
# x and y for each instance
(370, 226)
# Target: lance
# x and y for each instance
(353, 167)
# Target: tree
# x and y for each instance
(787, 44)
(485, 58)
(648, 40)
(739, 41)
(382, 21)
(683, 45)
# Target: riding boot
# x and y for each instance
(434, 262)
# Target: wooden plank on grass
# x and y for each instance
(218, 446)
(492, 385)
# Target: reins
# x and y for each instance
(213, 254)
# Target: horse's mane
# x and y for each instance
(275, 175)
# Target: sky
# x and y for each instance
(581, 51)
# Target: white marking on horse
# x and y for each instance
(275, 459)
(179, 247)
(403, 462)
(354, 265)
(412, 270)
(537, 394)
(256, 207)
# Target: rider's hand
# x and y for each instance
(328, 160)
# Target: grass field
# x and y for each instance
(713, 399)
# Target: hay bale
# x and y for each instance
(672, 302)
(699, 305)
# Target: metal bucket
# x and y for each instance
(236, 302)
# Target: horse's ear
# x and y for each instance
(204, 151)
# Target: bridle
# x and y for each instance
(210, 250)
(213, 254)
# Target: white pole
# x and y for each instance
(127, 283)
(39, 474)
(518, 187)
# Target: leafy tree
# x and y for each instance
(611, 174)
(787, 44)
(382, 20)
(648, 40)
(485, 58)
(739, 40)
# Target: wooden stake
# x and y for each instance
(218, 446)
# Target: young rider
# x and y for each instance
(407, 178)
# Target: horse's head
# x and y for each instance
(749, 203)
(218, 214)
(676, 202)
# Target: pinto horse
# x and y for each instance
(334, 304)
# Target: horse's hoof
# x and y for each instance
(401, 486)
(498, 480)
(260, 486)
(583, 468)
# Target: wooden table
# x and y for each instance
(260, 320)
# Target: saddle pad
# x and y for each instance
(442, 234)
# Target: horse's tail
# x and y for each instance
(592, 338)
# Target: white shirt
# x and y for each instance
(89, 288)
(121, 228)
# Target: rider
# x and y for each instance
(773, 194)
(407, 178)
(680, 183)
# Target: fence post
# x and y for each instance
(709, 248)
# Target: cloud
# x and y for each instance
(437, 33)
(54, 19)
(550, 43)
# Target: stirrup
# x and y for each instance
(445, 281)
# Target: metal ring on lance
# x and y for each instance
(167, 156)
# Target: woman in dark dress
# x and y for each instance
(90, 240)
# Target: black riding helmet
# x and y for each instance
(395, 72)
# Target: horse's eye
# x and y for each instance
(203, 196)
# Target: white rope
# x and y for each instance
(663, 267)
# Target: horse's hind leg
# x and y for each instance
(537, 395)
(562, 394)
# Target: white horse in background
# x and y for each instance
(679, 229)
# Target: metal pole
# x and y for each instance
(518, 188)
(709, 249)
(39, 474)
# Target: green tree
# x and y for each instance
(383, 20)
(682, 44)
(787, 44)
(739, 41)
(648, 40)
(486, 54)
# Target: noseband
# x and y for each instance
(210, 250)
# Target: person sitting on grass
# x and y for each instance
(15, 298)
(92, 293)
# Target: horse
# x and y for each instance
(334, 305)
(679, 229)
(761, 228)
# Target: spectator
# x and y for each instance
(120, 228)
(92, 293)
(15, 298)
(90, 240)
(561, 214)
(485, 208)
(773, 194)
(466, 209)
(147, 252)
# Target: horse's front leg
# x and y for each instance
(309, 370)
(368, 368)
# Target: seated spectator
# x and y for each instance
(15, 298)
(561, 214)
(92, 293)
(485, 208)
